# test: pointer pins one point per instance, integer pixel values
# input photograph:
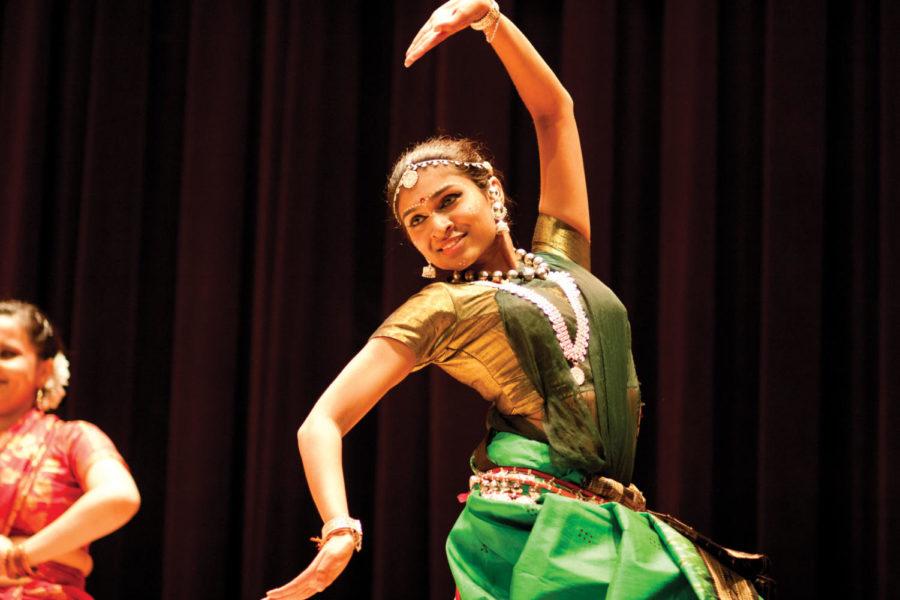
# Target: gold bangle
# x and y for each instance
(17, 563)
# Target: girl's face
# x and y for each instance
(22, 373)
(449, 219)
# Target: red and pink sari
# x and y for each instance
(43, 467)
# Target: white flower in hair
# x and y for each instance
(61, 369)
(55, 388)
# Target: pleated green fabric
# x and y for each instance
(566, 548)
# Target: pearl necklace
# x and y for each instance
(534, 267)
(574, 351)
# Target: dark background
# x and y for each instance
(193, 189)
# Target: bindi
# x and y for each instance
(414, 206)
(410, 177)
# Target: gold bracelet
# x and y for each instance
(17, 563)
(491, 20)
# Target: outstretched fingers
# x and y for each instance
(447, 20)
(321, 572)
(426, 42)
(306, 584)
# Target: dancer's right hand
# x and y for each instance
(331, 560)
(449, 18)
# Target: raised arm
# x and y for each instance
(379, 366)
(563, 186)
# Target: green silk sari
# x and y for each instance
(564, 548)
(559, 547)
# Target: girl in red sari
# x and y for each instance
(62, 484)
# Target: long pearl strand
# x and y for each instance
(574, 351)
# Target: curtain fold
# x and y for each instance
(687, 242)
(209, 341)
(791, 280)
(887, 321)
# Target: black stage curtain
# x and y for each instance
(193, 192)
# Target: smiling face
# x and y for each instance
(448, 218)
(22, 373)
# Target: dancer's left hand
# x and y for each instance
(449, 18)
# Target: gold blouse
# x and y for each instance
(458, 327)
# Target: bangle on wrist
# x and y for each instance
(16, 563)
(339, 525)
(489, 22)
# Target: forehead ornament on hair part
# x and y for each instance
(410, 176)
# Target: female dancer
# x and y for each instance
(551, 508)
(62, 484)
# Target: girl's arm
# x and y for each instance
(563, 185)
(379, 366)
(110, 500)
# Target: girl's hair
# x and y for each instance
(463, 150)
(37, 326)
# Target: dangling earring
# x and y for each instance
(428, 271)
(39, 401)
(499, 210)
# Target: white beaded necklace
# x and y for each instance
(575, 352)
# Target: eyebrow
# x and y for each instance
(437, 192)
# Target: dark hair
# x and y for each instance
(441, 147)
(37, 326)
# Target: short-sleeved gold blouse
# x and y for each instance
(459, 328)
